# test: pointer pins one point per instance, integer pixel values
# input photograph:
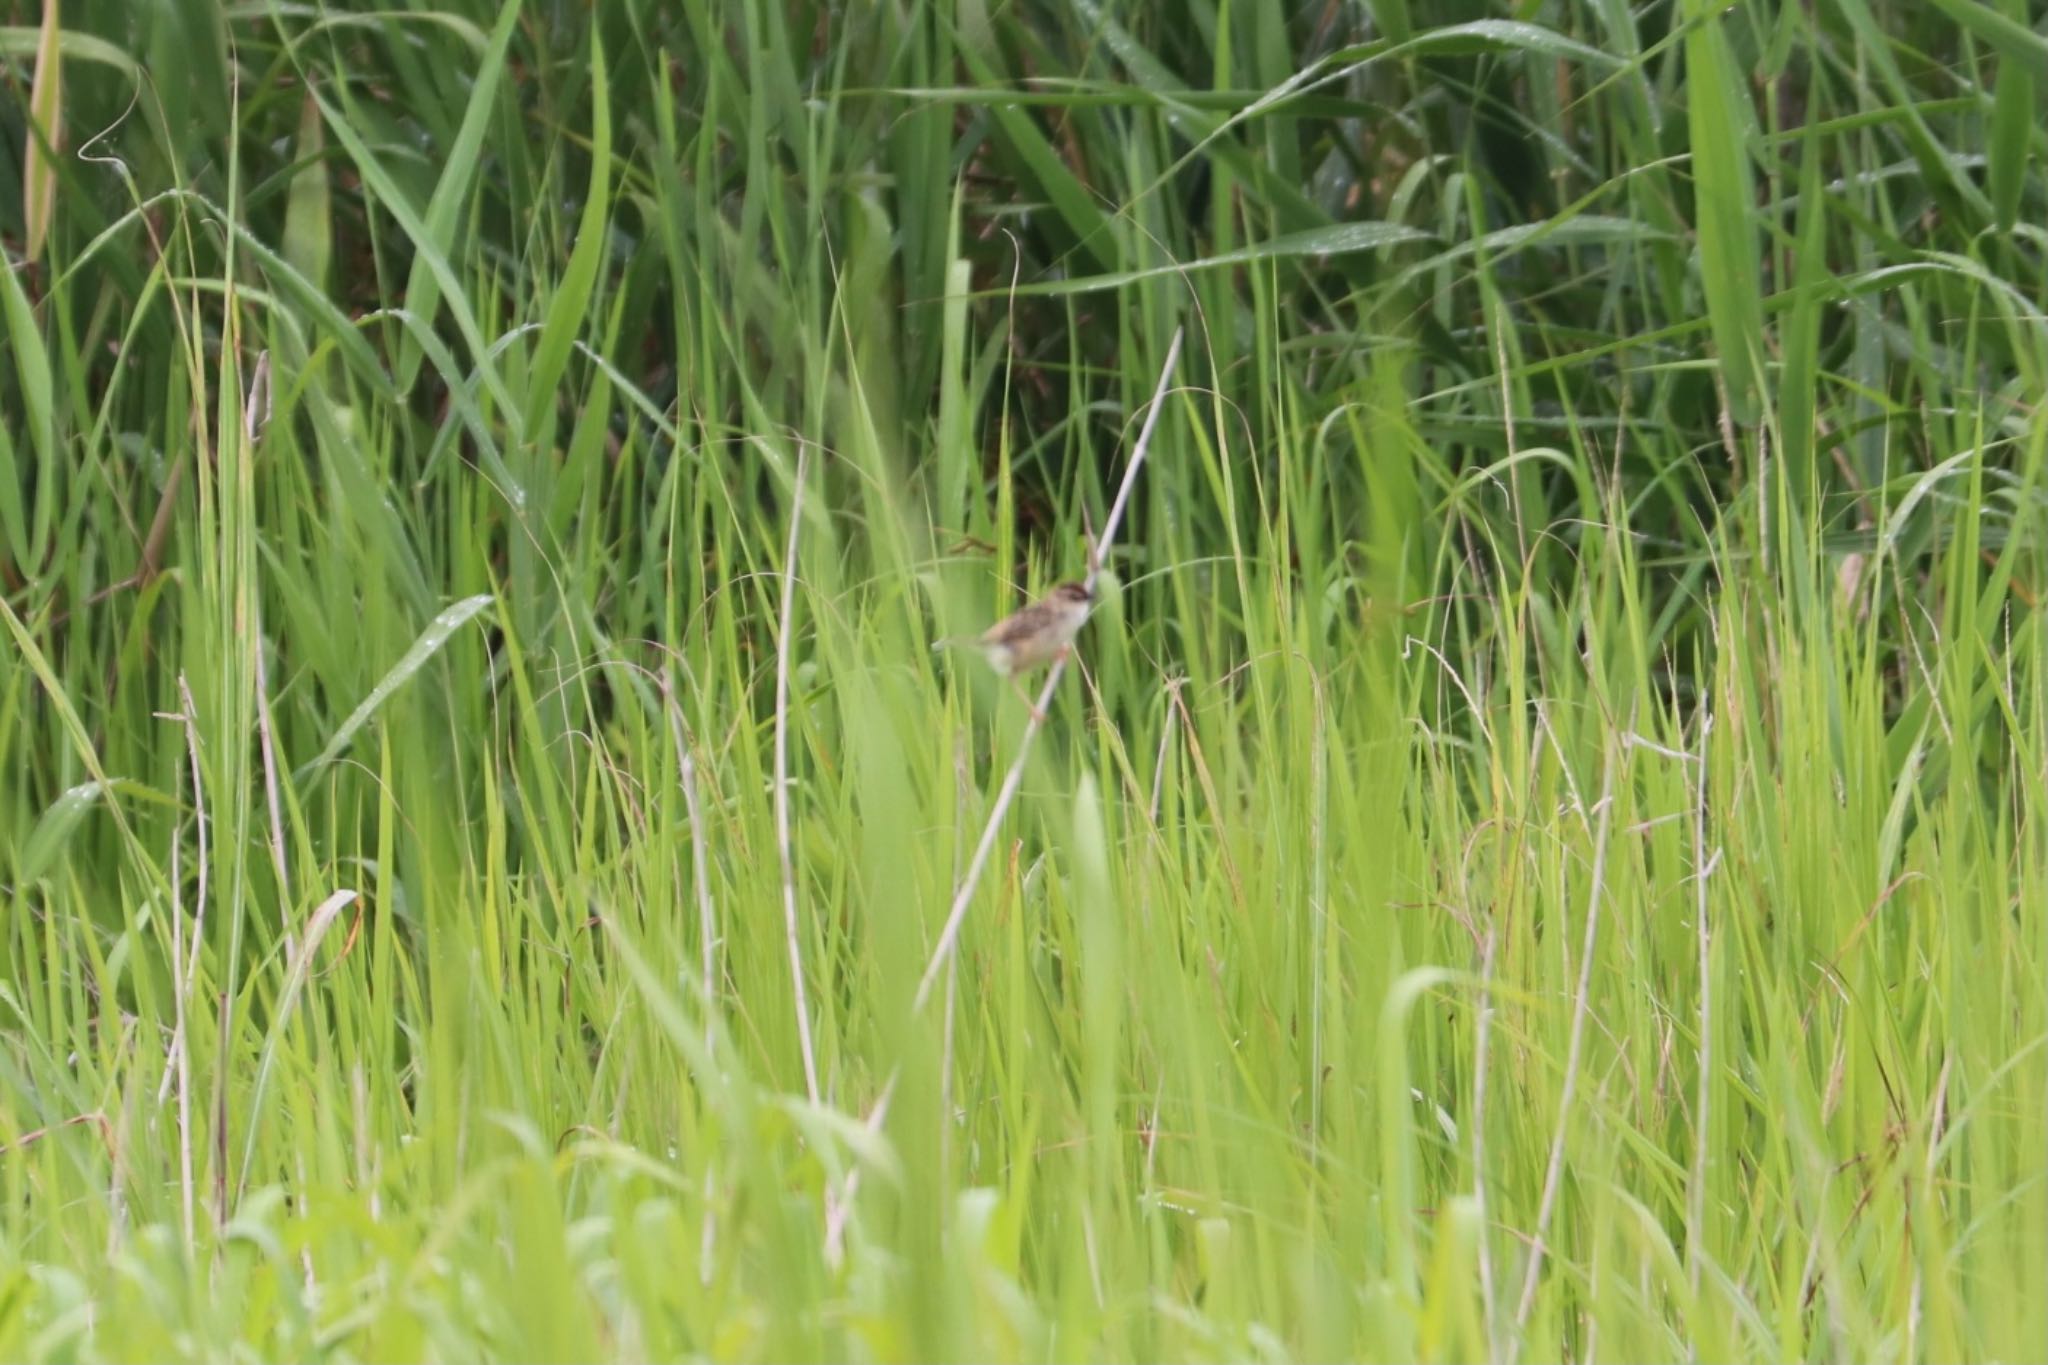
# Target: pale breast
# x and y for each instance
(1033, 652)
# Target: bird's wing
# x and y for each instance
(1022, 626)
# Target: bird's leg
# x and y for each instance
(1024, 696)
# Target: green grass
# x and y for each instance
(1545, 856)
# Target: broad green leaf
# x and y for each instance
(308, 216)
(423, 649)
(1479, 35)
(1724, 193)
(1582, 230)
(378, 22)
(53, 830)
(1338, 239)
(1398, 1158)
(1892, 833)
(1099, 922)
(572, 300)
(2015, 109)
(15, 546)
(1393, 19)
(19, 40)
(1920, 489)
(1069, 94)
(38, 418)
(44, 135)
(1505, 35)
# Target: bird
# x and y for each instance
(1033, 637)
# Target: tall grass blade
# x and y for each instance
(45, 133)
(1724, 196)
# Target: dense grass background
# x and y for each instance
(1546, 858)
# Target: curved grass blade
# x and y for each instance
(1338, 239)
(424, 648)
(395, 202)
(18, 40)
(1015, 130)
(28, 529)
(444, 207)
(53, 830)
(2015, 42)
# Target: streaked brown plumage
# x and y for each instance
(1034, 636)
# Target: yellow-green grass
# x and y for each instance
(1543, 857)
